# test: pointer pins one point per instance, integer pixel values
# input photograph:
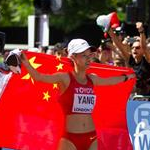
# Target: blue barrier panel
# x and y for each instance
(138, 120)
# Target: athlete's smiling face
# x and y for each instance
(83, 59)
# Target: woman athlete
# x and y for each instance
(77, 96)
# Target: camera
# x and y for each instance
(131, 40)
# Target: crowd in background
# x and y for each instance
(116, 50)
(121, 50)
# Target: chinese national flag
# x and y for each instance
(31, 118)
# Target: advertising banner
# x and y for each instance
(138, 120)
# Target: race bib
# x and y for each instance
(83, 103)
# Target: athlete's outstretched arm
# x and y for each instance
(111, 80)
(54, 78)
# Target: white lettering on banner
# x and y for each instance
(142, 138)
(142, 131)
(4, 78)
(83, 103)
(82, 90)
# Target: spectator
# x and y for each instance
(105, 53)
(138, 59)
(11, 62)
(43, 49)
(109, 54)
(119, 62)
(95, 57)
(60, 50)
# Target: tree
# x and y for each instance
(73, 14)
(77, 12)
(15, 12)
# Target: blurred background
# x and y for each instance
(46, 22)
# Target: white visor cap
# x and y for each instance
(79, 46)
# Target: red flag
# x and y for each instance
(30, 113)
(110, 111)
(28, 108)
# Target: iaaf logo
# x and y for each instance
(142, 131)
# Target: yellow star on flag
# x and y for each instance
(46, 96)
(55, 86)
(58, 57)
(35, 66)
(60, 66)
